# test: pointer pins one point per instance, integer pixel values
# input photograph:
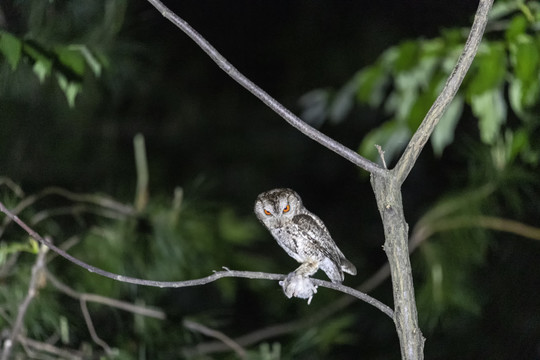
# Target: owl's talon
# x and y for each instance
(298, 286)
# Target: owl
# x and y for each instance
(301, 234)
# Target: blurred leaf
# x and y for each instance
(70, 88)
(407, 56)
(446, 288)
(490, 108)
(342, 103)
(401, 101)
(391, 136)
(489, 69)
(42, 69)
(524, 56)
(424, 101)
(371, 83)
(11, 47)
(267, 352)
(519, 141)
(414, 92)
(443, 135)
(335, 332)
(42, 62)
(71, 58)
(92, 61)
(236, 230)
(518, 26)
(115, 11)
(523, 98)
(502, 9)
(315, 106)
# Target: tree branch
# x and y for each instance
(91, 329)
(272, 103)
(51, 349)
(423, 133)
(227, 341)
(33, 288)
(119, 304)
(202, 281)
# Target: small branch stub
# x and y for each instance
(381, 154)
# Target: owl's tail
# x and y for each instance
(348, 266)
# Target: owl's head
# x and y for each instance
(275, 207)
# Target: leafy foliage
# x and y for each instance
(405, 80)
(51, 52)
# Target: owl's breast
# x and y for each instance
(300, 242)
(287, 238)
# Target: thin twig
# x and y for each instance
(51, 349)
(33, 288)
(141, 164)
(423, 133)
(272, 103)
(101, 201)
(122, 305)
(230, 343)
(381, 155)
(12, 185)
(76, 210)
(488, 222)
(177, 284)
(92, 329)
(357, 294)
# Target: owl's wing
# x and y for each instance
(318, 237)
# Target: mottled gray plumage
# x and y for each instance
(301, 234)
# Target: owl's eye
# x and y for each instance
(267, 212)
(287, 208)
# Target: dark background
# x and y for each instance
(206, 133)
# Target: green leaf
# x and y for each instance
(407, 56)
(392, 136)
(490, 108)
(91, 60)
(502, 9)
(444, 131)
(524, 58)
(414, 91)
(518, 26)
(42, 63)
(342, 103)
(517, 143)
(401, 100)
(371, 83)
(489, 68)
(11, 47)
(523, 96)
(71, 58)
(42, 69)
(70, 88)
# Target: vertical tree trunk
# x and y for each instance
(388, 196)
